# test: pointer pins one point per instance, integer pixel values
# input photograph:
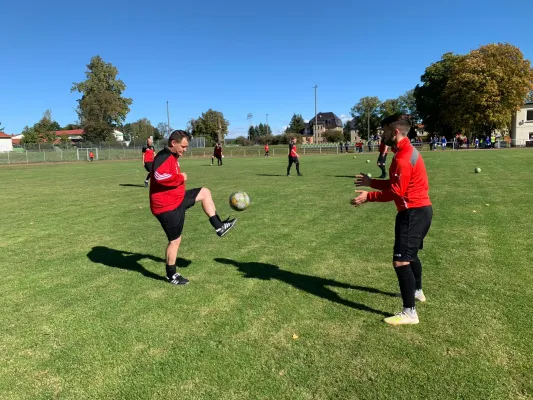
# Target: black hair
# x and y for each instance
(178, 136)
(397, 120)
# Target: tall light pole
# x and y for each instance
(249, 117)
(316, 115)
(266, 127)
(168, 121)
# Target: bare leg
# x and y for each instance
(207, 202)
(172, 251)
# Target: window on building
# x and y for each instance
(530, 135)
(529, 115)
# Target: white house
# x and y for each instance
(5, 143)
(522, 126)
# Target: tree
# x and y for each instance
(30, 136)
(366, 112)
(212, 124)
(390, 107)
(429, 97)
(102, 108)
(164, 129)
(252, 133)
(408, 105)
(140, 130)
(486, 87)
(529, 97)
(297, 124)
(1, 129)
(46, 127)
(333, 136)
(70, 127)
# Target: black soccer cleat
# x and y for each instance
(177, 279)
(145, 184)
(300, 174)
(226, 226)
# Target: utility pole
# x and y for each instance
(168, 121)
(266, 127)
(314, 127)
(249, 117)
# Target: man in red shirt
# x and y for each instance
(148, 159)
(293, 157)
(408, 188)
(266, 150)
(169, 200)
(382, 158)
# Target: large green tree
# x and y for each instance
(486, 87)
(366, 114)
(102, 108)
(30, 136)
(140, 130)
(212, 124)
(429, 97)
(390, 107)
(164, 129)
(297, 124)
(46, 127)
(408, 105)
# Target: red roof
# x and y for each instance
(71, 132)
(3, 135)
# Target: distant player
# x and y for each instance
(476, 143)
(217, 153)
(443, 142)
(293, 157)
(382, 158)
(408, 188)
(169, 200)
(267, 154)
(91, 156)
(148, 159)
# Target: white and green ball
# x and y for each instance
(369, 175)
(367, 161)
(477, 170)
(239, 201)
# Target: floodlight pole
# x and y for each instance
(168, 121)
(314, 127)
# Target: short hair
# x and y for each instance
(397, 121)
(178, 136)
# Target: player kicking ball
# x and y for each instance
(169, 200)
(408, 188)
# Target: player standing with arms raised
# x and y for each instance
(408, 188)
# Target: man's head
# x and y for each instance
(149, 141)
(293, 140)
(178, 142)
(395, 128)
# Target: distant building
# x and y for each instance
(522, 126)
(5, 143)
(324, 121)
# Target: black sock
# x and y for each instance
(215, 222)
(416, 267)
(406, 279)
(382, 170)
(171, 270)
(298, 168)
(147, 178)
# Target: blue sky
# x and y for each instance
(237, 57)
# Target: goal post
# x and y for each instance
(82, 153)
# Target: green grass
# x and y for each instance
(84, 314)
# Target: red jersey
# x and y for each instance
(383, 149)
(218, 151)
(292, 150)
(167, 185)
(408, 184)
(148, 152)
(91, 155)
(266, 147)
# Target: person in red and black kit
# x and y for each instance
(382, 158)
(169, 200)
(217, 153)
(148, 159)
(408, 187)
(293, 157)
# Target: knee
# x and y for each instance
(175, 242)
(205, 193)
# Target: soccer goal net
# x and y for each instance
(84, 153)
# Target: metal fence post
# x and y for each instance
(27, 157)
(61, 154)
(44, 155)
(8, 158)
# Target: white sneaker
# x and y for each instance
(403, 318)
(419, 296)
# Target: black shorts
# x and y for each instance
(410, 230)
(382, 159)
(172, 221)
(148, 166)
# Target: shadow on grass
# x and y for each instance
(308, 283)
(130, 185)
(271, 174)
(129, 261)
(344, 176)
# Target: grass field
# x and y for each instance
(85, 313)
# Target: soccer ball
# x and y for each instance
(477, 170)
(239, 201)
(369, 175)
(354, 157)
(367, 161)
